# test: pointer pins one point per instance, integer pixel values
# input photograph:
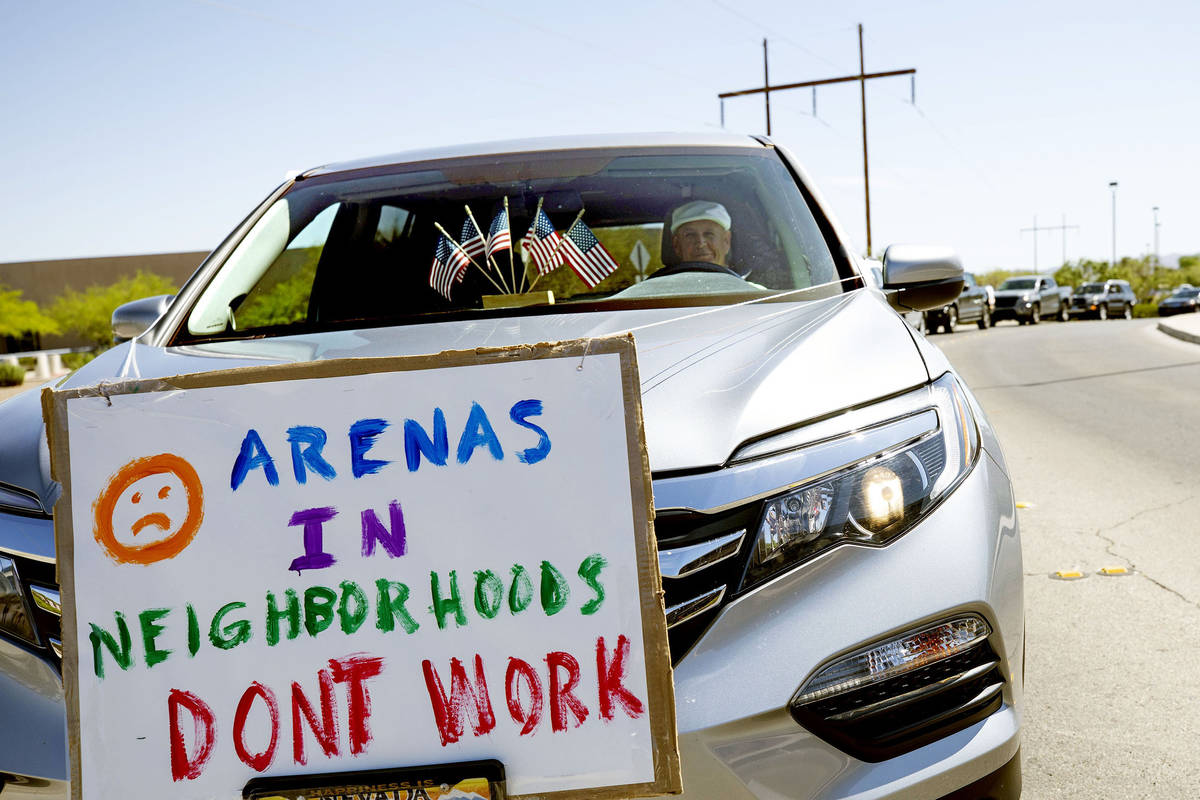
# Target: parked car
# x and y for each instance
(970, 306)
(1103, 300)
(837, 534)
(1182, 301)
(1029, 299)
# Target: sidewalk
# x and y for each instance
(1182, 326)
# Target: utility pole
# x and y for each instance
(767, 87)
(1035, 230)
(1112, 264)
(861, 78)
(862, 88)
(1064, 228)
(1156, 236)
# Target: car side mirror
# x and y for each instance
(921, 277)
(132, 319)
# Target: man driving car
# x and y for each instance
(700, 231)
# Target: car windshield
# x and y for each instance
(1090, 288)
(1185, 294)
(1018, 283)
(448, 240)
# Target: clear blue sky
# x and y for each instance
(140, 127)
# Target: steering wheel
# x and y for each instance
(694, 266)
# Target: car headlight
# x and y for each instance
(877, 497)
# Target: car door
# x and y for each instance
(969, 307)
(1114, 299)
(1050, 300)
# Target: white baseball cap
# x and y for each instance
(699, 210)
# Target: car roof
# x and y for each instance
(544, 144)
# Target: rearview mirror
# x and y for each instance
(921, 277)
(134, 318)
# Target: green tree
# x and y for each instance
(19, 317)
(88, 314)
(1189, 269)
(994, 277)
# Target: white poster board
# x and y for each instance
(364, 564)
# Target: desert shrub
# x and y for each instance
(11, 375)
(77, 360)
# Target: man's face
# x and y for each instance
(702, 240)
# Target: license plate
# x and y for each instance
(470, 780)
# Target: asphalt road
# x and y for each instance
(1100, 423)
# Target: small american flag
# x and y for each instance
(542, 243)
(499, 236)
(583, 251)
(446, 270)
(471, 239)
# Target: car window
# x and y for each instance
(1017, 283)
(280, 296)
(401, 246)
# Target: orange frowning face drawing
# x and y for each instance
(150, 510)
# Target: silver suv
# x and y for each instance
(838, 538)
(1112, 299)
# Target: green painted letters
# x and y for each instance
(389, 607)
(589, 570)
(231, 635)
(444, 606)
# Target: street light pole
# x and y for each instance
(1113, 263)
(1156, 236)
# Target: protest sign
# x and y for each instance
(353, 567)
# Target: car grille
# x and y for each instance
(1079, 302)
(42, 599)
(702, 558)
(1006, 302)
(885, 719)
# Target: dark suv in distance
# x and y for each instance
(1102, 300)
(970, 306)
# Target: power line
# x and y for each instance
(1036, 228)
(774, 32)
(862, 77)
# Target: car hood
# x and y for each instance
(1014, 292)
(711, 378)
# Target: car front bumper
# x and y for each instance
(1091, 310)
(736, 736)
(1020, 311)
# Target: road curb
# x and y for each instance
(1178, 333)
